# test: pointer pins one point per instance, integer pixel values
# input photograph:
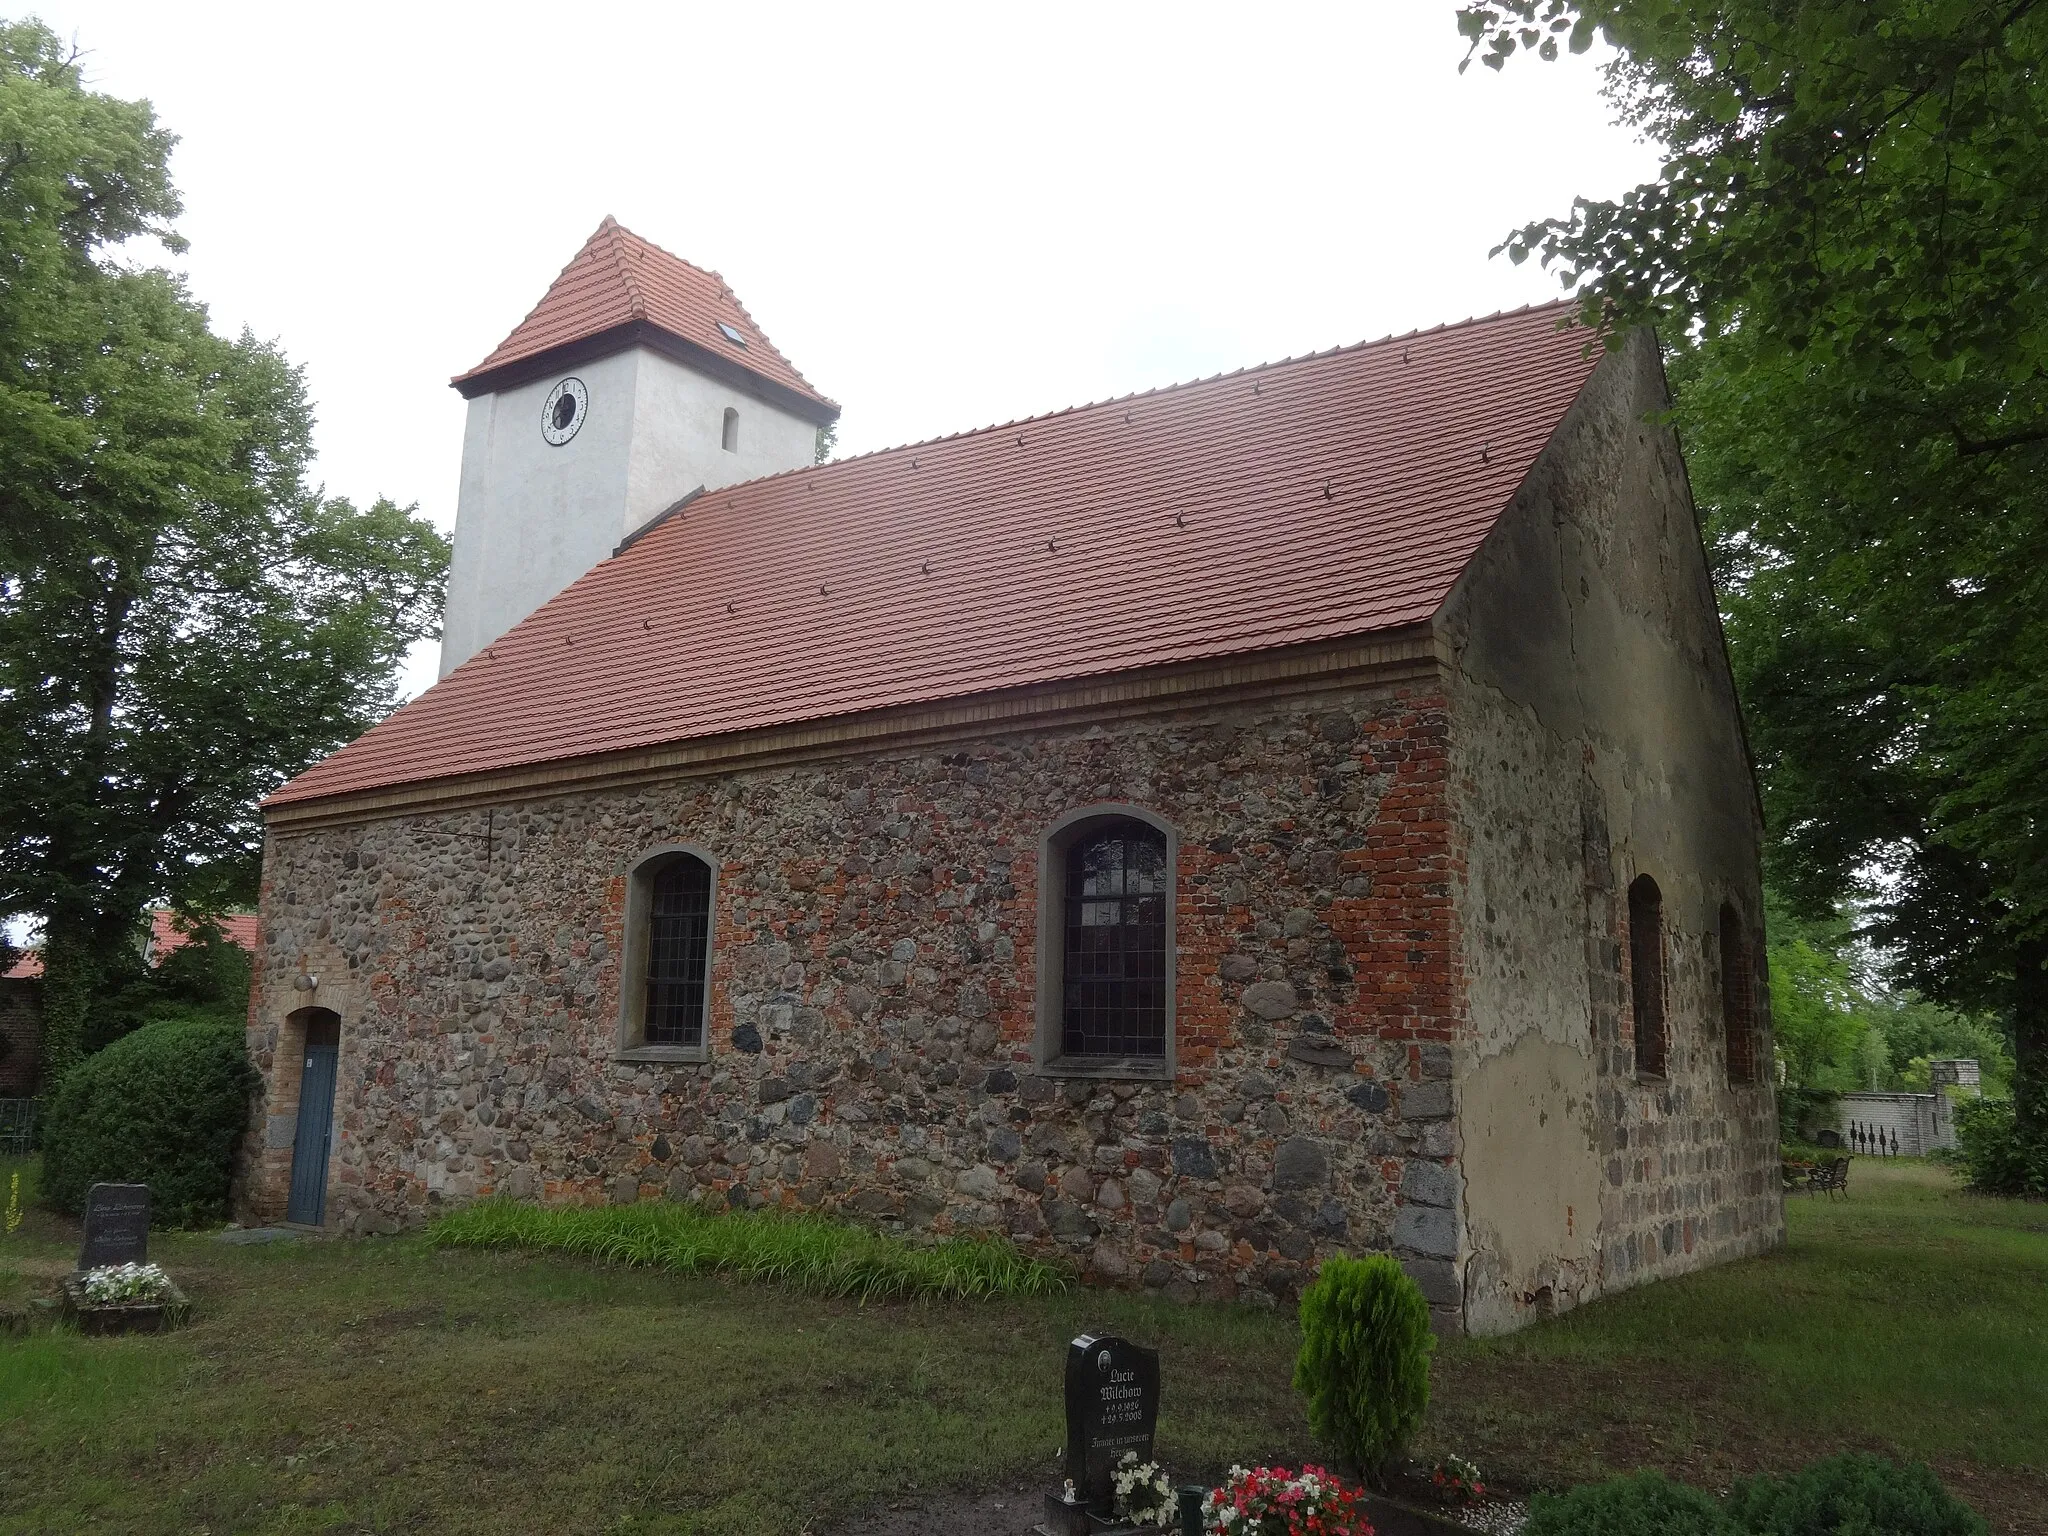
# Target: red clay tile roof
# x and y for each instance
(165, 936)
(1313, 499)
(618, 279)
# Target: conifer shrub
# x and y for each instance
(1364, 1362)
(1853, 1495)
(1638, 1504)
(164, 1106)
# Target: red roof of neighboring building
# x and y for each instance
(618, 279)
(165, 936)
(1313, 499)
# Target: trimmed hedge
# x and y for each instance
(1853, 1495)
(165, 1106)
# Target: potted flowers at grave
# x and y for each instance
(1272, 1501)
(1143, 1494)
(124, 1298)
(1457, 1480)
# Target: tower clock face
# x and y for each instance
(567, 403)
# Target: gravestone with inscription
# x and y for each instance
(116, 1225)
(1112, 1394)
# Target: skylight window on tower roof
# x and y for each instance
(730, 334)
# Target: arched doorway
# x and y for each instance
(320, 1032)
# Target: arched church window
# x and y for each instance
(1738, 996)
(665, 977)
(1114, 941)
(729, 433)
(678, 951)
(1646, 973)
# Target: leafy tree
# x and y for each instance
(1917, 1032)
(1847, 238)
(183, 622)
(1817, 1008)
(78, 172)
(1838, 1028)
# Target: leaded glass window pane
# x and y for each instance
(678, 946)
(1113, 1000)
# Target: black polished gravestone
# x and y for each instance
(116, 1225)
(1112, 1392)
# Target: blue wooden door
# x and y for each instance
(308, 1202)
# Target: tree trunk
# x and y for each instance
(2030, 1038)
(76, 929)
(70, 981)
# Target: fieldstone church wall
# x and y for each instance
(872, 1020)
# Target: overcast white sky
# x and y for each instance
(945, 215)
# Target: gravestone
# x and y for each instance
(116, 1225)
(1112, 1396)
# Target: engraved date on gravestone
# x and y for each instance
(1112, 1408)
(116, 1225)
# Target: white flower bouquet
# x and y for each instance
(120, 1285)
(1143, 1494)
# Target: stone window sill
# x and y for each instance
(1652, 1079)
(1150, 1069)
(679, 1054)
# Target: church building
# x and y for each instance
(1301, 812)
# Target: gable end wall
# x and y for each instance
(1596, 736)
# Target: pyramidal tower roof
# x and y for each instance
(622, 291)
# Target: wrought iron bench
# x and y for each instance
(1831, 1175)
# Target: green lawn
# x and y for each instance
(1909, 1319)
(388, 1386)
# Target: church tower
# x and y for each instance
(636, 380)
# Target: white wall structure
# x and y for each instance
(1957, 1072)
(1920, 1121)
(534, 515)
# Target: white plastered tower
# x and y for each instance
(637, 379)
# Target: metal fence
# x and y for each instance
(17, 1127)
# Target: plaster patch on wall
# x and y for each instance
(1532, 1180)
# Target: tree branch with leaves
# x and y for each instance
(184, 622)
(1845, 249)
